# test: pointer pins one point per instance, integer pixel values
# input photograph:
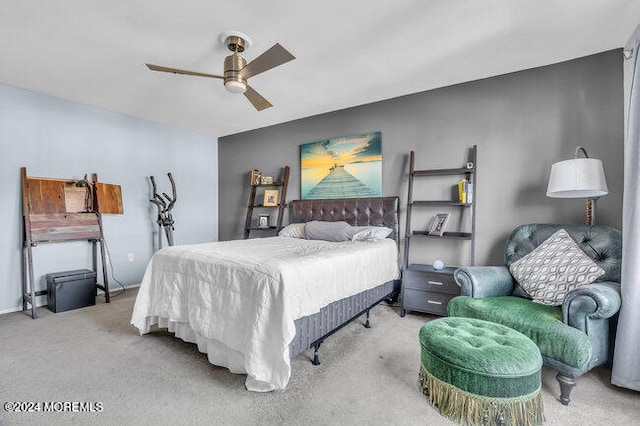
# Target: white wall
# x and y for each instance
(55, 138)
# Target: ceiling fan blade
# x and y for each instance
(275, 56)
(256, 99)
(179, 71)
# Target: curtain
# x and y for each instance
(626, 359)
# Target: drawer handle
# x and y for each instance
(434, 282)
(433, 302)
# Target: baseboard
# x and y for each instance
(118, 289)
(19, 308)
(42, 304)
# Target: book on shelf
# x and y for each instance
(465, 191)
(462, 195)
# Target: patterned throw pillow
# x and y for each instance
(554, 268)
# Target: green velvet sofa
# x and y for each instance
(572, 338)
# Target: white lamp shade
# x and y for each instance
(577, 178)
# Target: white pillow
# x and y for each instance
(370, 233)
(293, 230)
(554, 268)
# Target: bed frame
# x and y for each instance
(380, 211)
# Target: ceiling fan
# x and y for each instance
(236, 69)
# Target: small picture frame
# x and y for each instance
(271, 198)
(256, 177)
(263, 220)
(439, 224)
(266, 180)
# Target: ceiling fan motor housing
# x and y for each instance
(233, 81)
(235, 43)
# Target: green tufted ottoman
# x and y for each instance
(481, 373)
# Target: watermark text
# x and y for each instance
(53, 407)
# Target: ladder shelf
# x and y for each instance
(424, 288)
(280, 206)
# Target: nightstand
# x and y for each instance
(426, 290)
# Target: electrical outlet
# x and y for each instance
(130, 257)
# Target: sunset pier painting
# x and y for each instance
(346, 167)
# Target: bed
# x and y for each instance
(251, 305)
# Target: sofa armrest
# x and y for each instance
(484, 281)
(593, 301)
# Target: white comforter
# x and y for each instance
(238, 299)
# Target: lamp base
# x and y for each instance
(591, 211)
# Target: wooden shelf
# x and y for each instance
(470, 171)
(262, 206)
(282, 197)
(439, 203)
(442, 172)
(58, 210)
(270, 184)
(423, 288)
(445, 235)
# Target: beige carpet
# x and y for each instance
(367, 377)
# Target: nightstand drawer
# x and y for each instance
(425, 301)
(438, 282)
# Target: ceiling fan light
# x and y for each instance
(234, 86)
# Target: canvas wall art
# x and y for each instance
(345, 167)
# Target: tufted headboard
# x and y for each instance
(603, 244)
(378, 211)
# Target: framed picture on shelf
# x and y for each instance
(271, 198)
(256, 177)
(438, 224)
(263, 220)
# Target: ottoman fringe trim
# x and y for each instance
(470, 409)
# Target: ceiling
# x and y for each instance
(349, 52)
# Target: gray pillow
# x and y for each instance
(554, 268)
(328, 231)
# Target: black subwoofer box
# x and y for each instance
(71, 290)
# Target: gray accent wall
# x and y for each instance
(521, 122)
(55, 138)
